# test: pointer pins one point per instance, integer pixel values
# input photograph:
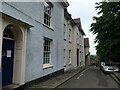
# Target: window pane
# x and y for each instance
(8, 33)
(44, 60)
(46, 56)
(48, 60)
(47, 15)
(48, 48)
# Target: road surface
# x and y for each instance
(90, 78)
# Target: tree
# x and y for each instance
(93, 58)
(107, 29)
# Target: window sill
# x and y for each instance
(48, 27)
(45, 66)
(70, 63)
(64, 65)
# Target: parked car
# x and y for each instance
(101, 65)
(109, 68)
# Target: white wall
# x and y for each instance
(77, 42)
(68, 45)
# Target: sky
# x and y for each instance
(85, 9)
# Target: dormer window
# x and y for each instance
(47, 13)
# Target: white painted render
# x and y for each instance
(78, 43)
(32, 13)
(29, 41)
(68, 44)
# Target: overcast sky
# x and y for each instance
(84, 9)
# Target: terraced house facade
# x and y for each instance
(31, 40)
(39, 40)
(73, 42)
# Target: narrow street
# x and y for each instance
(91, 78)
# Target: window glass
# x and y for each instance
(47, 13)
(69, 56)
(47, 51)
(8, 33)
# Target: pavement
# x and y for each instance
(58, 80)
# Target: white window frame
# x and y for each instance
(70, 35)
(69, 57)
(47, 51)
(64, 57)
(64, 32)
(77, 40)
(47, 14)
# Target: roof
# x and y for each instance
(77, 20)
(86, 42)
(64, 3)
(68, 16)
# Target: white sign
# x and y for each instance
(9, 53)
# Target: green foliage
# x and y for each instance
(93, 59)
(107, 28)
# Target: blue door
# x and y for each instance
(7, 61)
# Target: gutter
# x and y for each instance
(65, 3)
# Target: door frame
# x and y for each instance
(19, 65)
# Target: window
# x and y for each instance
(47, 13)
(64, 32)
(64, 53)
(80, 36)
(8, 32)
(47, 51)
(77, 40)
(70, 35)
(64, 57)
(81, 55)
(69, 56)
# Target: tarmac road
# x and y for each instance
(90, 78)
